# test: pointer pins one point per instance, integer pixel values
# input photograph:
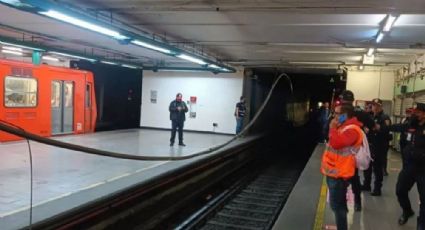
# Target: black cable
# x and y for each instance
(31, 171)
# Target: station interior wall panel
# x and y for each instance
(367, 85)
(216, 98)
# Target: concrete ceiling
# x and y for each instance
(242, 33)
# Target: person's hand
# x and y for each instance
(179, 108)
(334, 123)
(377, 127)
(366, 129)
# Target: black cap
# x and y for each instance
(346, 95)
(420, 106)
(377, 101)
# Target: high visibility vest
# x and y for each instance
(341, 163)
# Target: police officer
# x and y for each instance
(366, 119)
(414, 157)
(406, 177)
(380, 145)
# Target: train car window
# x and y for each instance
(56, 94)
(20, 92)
(88, 96)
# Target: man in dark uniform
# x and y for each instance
(380, 145)
(414, 159)
(406, 178)
(177, 110)
(240, 114)
(348, 97)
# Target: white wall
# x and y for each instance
(367, 85)
(216, 95)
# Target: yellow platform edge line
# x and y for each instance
(320, 213)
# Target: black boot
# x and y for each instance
(405, 217)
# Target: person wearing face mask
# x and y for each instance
(178, 110)
(240, 114)
(338, 160)
(413, 167)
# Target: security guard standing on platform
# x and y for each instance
(416, 156)
(380, 145)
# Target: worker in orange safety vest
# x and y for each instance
(338, 161)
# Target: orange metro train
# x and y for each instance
(46, 100)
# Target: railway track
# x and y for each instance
(253, 203)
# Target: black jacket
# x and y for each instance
(381, 137)
(414, 152)
(175, 114)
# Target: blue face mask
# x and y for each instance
(342, 118)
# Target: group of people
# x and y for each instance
(346, 130)
(178, 110)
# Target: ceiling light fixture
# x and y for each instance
(75, 21)
(109, 63)
(214, 66)
(129, 66)
(389, 22)
(379, 37)
(73, 56)
(370, 51)
(314, 63)
(192, 59)
(152, 47)
(50, 58)
(12, 48)
(12, 52)
(20, 46)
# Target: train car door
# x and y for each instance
(62, 104)
(88, 113)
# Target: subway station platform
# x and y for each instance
(65, 179)
(307, 206)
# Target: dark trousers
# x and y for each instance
(376, 167)
(420, 183)
(176, 125)
(385, 162)
(338, 201)
(356, 187)
(405, 182)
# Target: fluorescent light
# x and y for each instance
(12, 2)
(50, 58)
(75, 21)
(12, 52)
(73, 56)
(191, 59)
(389, 23)
(109, 63)
(214, 66)
(380, 37)
(370, 51)
(20, 46)
(152, 47)
(315, 63)
(129, 66)
(12, 48)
